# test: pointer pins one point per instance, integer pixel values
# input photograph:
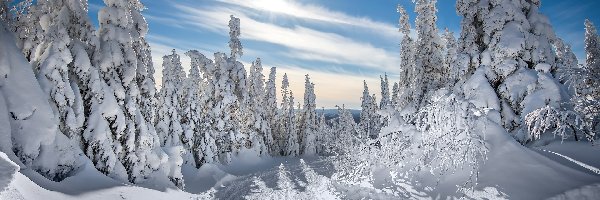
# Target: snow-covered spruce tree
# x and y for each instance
(428, 56)
(271, 112)
(257, 125)
(206, 143)
(509, 45)
(52, 67)
(395, 95)
(228, 96)
(584, 80)
(453, 71)
(102, 128)
(325, 134)
(385, 92)
(169, 126)
(408, 71)
(120, 27)
(28, 130)
(288, 137)
(234, 33)
(308, 120)
(568, 70)
(369, 119)
(191, 118)
(204, 148)
(229, 86)
(145, 67)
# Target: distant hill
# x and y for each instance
(333, 113)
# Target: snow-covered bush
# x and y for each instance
(447, 138)
(562, 123)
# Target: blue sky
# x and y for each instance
(339, 43)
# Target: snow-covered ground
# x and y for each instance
(558, 171)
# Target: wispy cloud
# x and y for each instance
(317, 13)
(301, 42)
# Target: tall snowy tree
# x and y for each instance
(169, 126)
(588, 95)
(234, 33)
(203, 144)
(145, 67)
(228, 82)
(408, 71)
(271, 112)
(385, 92)
(121, 25)
(369, 120)
(592, 48)
(452, 71)
(191, 107)
(308, 120)
(53, 72)
(395, 95)
(428, 55)
(287, 137)
(259, 128)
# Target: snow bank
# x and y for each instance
(8, 169)
(525, 174)
(589, 192)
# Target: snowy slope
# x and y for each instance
(88, 184)
(525, 174)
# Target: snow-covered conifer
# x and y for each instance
(509, 43)
(385, 92)
(368, 115)
(169, 126)
(203, 144)
(408, 71)
(567, 63)
(395, 95)
(145, 67)
(53, 72)
(234, 33)
(205, 148)
(452, 71)
(428, 55)
(229, 87)
(117, 60)
(256, 122)
(592, 49)
(287, 137)
(272, 111)
(308, 120)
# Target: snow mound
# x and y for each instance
(589, 192)
(8, 169)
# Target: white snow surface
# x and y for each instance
(511, 172)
